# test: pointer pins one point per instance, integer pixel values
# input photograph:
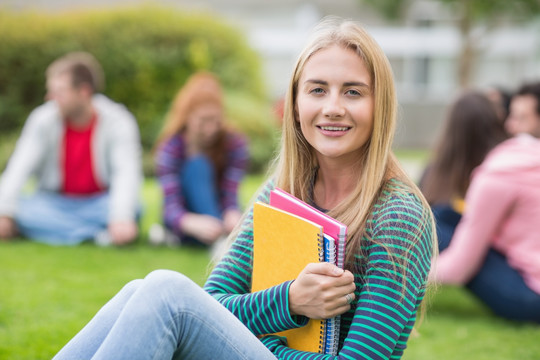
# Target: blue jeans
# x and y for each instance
(57, 219)
(199, 190)
(503, 289)
(447, 220)
(164, 316)
(496, 284)
(199, 187)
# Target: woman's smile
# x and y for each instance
(333, 130)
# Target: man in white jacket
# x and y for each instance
(84, 152)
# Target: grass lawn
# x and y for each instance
(48, 293)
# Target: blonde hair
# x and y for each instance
(200, 89)
(296, 161)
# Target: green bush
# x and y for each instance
(147, 53)
(257, 119)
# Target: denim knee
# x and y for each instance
(168, 281)
(132, 286)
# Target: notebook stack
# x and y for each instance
(289, 234)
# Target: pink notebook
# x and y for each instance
(283, 200)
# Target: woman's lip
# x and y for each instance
(334, 127)
(333, 130)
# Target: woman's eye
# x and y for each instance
(316, 91)
(353, 92)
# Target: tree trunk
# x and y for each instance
(468, 51)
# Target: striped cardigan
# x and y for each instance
(384, 312)
(170, 157)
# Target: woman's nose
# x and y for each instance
(333, 106)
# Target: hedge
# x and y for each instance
(147, 53)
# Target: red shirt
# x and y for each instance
(78, 169)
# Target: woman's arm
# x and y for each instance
(29, 153)
(235, 169)
(168, 160)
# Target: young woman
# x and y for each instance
(336, 154)
(199, 163)
(471, 129)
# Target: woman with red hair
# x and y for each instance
(199, 163)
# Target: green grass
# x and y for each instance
(48, 293)
(458, 326)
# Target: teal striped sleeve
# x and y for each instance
(263, 312)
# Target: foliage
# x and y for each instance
(390, 9)
(7, 143)
(468, 15)
(492, 10)
(477, 9)
(256, 118)
(147, 53)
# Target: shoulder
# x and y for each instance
(399, 205)
(172, 146)
(399, 217)
(172, 142)
(266, 188)
(513, 155)
(109, 110)
(45, 114)
(235, 139)
(396, 195)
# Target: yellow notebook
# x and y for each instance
(283, 244)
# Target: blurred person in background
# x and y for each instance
(471, 129)
(500, 97)
(84, 152)
(200, 162)
(495, 250)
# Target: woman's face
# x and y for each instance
(523, 118)
(335, 104)
(204, 123)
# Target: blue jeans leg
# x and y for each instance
(62, 220)
(199, 187)
(166, 316)
(446, 220)
(503, 289)
(85, 344)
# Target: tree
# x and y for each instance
(469, 14)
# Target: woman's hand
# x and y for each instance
(123, 232)
(320, 291)
(231, 217)
(206, 228)
(8, 229)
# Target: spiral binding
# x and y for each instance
(330, 330)
(321, 248)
